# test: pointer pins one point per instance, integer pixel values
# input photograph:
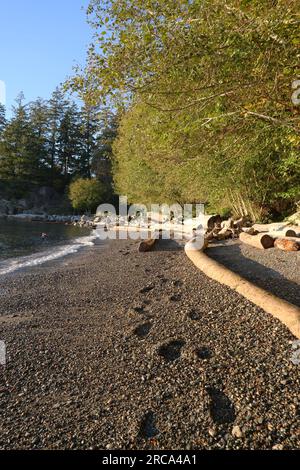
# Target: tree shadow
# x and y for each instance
(267, 278)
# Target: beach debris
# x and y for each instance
(286, 232)
(262, 240)
(287, 245)
(148, 245)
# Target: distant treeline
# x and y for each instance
(52, 143)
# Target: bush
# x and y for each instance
(86, 194)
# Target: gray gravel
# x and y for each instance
(274, 270)
(110, 350)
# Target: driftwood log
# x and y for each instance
(210, 221)
(287, 232)
(287, 245)
(148, 245)
(270, 227)
(262, 240)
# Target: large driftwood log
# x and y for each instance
(262, 240)
(270, 227)
(287, 232)
(287, 245)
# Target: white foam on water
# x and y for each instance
(55, 252)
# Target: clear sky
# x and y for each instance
(40, 42)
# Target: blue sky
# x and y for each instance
(40, 42)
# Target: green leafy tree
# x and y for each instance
(86, 194)
(102, 161)
(207, 92)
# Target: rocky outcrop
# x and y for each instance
(39, 201)
(6, 208)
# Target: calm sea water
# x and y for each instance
(21, 243)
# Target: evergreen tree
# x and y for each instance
(69, 141)
(89, 131)
(39, 119)
(2, 119)
(19, 155)
(57, 107)
(102, 162)
(52, 142)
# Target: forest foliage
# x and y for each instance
(203, 88)
(52, 143)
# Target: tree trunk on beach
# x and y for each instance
(262, 240)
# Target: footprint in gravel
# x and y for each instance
(175, 298)
(143, 330)
(193, 315)
(163, 280)
(146, 289)
(139, 309)
(221, 408)
(148, 428)
(177, 283)
(172, 350)
(203, 353)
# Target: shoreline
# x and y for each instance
(121, 350)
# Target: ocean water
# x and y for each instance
(21, 244)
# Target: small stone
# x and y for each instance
(277, 447)
(212, 432)
(237, 432)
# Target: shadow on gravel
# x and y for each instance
(167, 245)
(267, 278)
(221, 408)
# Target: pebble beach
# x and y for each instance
(113, 349)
